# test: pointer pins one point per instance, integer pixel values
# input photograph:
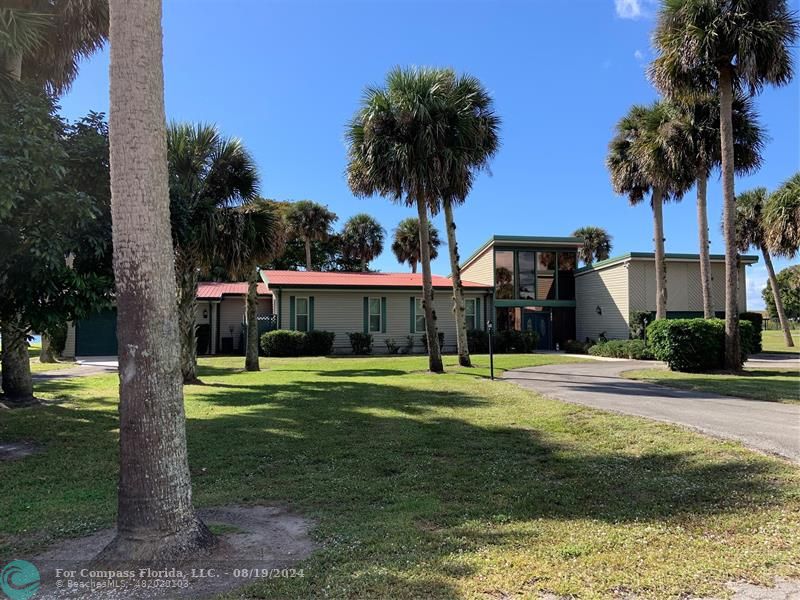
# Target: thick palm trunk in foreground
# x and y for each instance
(17, 382)
(661, 262)
(156, 520)
(459, 307)
(434, 352)
(776, 295)
(251, 358)
(705, 258)
(187, 314)
(733, 356)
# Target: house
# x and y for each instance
(610, 290)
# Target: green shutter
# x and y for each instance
(383, 315)
(291, 312)
(366, 314)
(311, 313)
(478, 320)
(412, 323)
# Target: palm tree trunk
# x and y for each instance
(17, 382)
(705, 257)
(661, 262)
(13, 66)
(776, 294)
(431, 332)
(733, 355)
(459, 307)
(308, 255)
(155, 517)
(46, 353)
(413, 264)
(251, 357)
(187, 313)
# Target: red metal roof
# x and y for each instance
(212, 290)
(337, 279)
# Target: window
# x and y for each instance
(504, 274)
(419, 316)
(527, 275)
(472, 317)
(301, 314)
(375, 315)
(545, 275)
(567, 261)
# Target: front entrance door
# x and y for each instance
(96, 335)
(540, 323)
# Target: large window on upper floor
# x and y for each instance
(535, 275)
(504, 275)
(567, 262)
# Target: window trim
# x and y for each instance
(306, 314)
(474, 313)
(370, 314)
(416, 314)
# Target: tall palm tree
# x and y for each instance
(207, 173)
(646, 157)
(406, 242)
(362, 239)
(707, 45)
(596, 244)
(750, 233)
(311, 222)
(156, 521)
(395, 150)
(782, 219)
(701, 117)
(248, 235)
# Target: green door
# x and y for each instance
(97, 335)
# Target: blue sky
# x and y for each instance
(286, 76)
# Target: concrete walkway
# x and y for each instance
(766, 426)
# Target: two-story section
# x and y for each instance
(533, 283)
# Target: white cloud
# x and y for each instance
(634, 9)
(757, 279)
(638, 55)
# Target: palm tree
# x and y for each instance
(646, 157)
(596, 244)
(156, 521)
(406, 242)
(362, 239)
(311, 222)
(395, 150)
(750, 232)
(207, 172)
(248, 235)
(707, 45)
(782, 219)
(701, 116)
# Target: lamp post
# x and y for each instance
(490, 329)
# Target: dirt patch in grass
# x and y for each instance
(255, 543)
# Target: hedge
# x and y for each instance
(283, 342)
(632, 349)
(361, 343)
(319, 343)
(757, 320)
(693, 345)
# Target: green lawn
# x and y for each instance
(772, 341)
(426, 486)
(37, 367)
(759, 384)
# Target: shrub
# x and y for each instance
(319, 343)
(391, 346)
(478, 341)
(757, 322)
(632, 349)
(425, 341)
(58, 338)
(361, 343)
(575, 347)
(511, 341)
(694, 344)
(638, 321)
(282, 342)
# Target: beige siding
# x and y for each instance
(342, 312)
(481, 270)
(69, 345)
(608, 289)
(231, 315)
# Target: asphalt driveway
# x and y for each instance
(766, 426)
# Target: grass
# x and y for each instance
(433, 486)
(773, 341)
(770, 385)
(37, 367)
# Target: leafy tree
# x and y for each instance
(207, 172)
(789, 291)
(708, 45)
(362, 239)
(596, 244)
(248, 235)
(156, 521)
(310, 222)
(646, 156)
(406, 242)
(750, 233)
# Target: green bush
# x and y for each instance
(632, 349)
(575, 347)
(478, 341)
(283, 342)
(392, 346)
(511, 341)
(58, 338)
(693, 345)
(757, 322)
(319, 343)
(361, 343)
